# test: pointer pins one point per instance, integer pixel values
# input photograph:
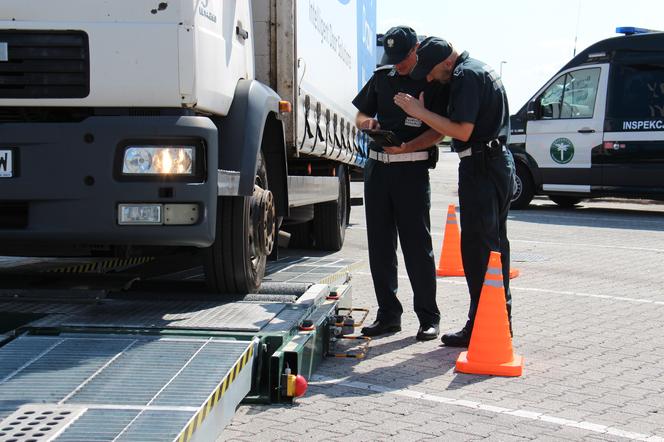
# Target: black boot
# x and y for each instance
(380, 328)
(427, 333)
(458, 339)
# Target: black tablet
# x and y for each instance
(383, 138)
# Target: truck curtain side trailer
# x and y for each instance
(138, 128)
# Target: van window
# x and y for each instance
(572, 95)
(636, 92)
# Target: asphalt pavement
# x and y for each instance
(587, 312)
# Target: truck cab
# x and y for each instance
(596, 128)
(143, 129)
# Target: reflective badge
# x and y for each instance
(562, 150)
(412, 122)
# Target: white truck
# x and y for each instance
(138, 127)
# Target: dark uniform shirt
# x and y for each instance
(377, 99)
(477, 96)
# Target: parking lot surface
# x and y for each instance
(587, 316)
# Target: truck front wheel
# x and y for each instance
(245, 235)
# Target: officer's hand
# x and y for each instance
(370, 123)
(396, 149)
(411, 105)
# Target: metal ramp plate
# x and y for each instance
(308, 269)
(191, 315)
(121, 388)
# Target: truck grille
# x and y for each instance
(44, 64)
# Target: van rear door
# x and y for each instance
(564, 131)
(633, 149)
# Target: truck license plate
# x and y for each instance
(6, 163)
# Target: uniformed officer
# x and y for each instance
(397, 194)
(478, 123)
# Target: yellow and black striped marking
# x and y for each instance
(103, 266)
(341, 275)
(218, 393)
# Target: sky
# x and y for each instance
(533, 38)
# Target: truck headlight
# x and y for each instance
(158, 160)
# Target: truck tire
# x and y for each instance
(245, 236)
(331, 218)
(565, 201)
(301, 236)
(525, 189)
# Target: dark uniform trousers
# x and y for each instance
(485, 190)
(397, 199)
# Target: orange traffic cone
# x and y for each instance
(490, 350)
(450, 263)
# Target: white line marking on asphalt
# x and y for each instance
(555, 292)
(583, 245)
(588, 295)
(555, 243)
(525, 414)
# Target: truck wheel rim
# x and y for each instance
(262, 222)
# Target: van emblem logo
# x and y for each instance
(562, 150)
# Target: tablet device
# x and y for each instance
(383, 138)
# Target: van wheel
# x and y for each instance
(525, 189)
(245, 236)
(331, 218)
(565, 201)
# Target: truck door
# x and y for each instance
(633, 154)
(564, 131)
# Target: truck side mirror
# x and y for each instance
(534, 110)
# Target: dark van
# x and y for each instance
(597, 127)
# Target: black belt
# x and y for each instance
(494, 143)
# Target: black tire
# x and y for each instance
(301, 235)
(331, 218)
(565, 201)
(525, 189)
(234, 263)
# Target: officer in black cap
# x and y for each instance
(397, 194)
(478, 123)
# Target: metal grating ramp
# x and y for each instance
(309, 269)
(191, 315)
(122, 388)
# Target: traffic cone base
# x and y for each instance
(450, 272)
(512, 368)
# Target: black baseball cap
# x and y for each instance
(432, 51)
(397, 43)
